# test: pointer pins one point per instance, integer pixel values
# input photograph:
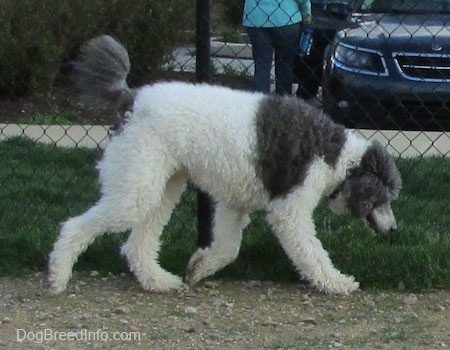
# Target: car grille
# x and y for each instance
(424, 67)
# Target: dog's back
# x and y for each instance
(101, 70)
(208, 130)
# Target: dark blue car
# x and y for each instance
(391, 67)
(308, 69)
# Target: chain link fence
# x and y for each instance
(410, 96)
(381, 68)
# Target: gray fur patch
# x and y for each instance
(290, 134)
(375, 182)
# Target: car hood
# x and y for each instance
(409, 31)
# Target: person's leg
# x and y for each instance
(285, 41)
(262, 56)
(309, 68)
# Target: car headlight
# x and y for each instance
(359, 60)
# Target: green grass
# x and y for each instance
(42, 185)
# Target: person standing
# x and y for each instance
(274, 26)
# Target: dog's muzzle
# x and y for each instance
(381, 219)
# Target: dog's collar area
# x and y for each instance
(350, 173)
(336, 192)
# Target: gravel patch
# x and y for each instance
(113, 312)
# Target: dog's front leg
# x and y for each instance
(292, 222)
(224, 248)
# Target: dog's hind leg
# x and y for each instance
(142, 247)
(224, 248)
(292, 221)
(75, 236)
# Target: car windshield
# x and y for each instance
(405, 6)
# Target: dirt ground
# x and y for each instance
(113, 312)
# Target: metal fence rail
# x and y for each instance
(401, 144)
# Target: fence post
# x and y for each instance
(203, 74)
(202, 64)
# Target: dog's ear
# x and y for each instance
(379, 163)
(374, 159)
(362, 192)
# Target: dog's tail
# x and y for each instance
(101, 71)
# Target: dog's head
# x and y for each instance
(368, 190)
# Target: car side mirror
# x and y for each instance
(338, 10)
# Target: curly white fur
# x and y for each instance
(207, 135)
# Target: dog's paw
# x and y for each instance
(164, 283)
(53, 288)
(343, 285)
(192, 277)
(196, 270)
(206, 262)
(55, 284)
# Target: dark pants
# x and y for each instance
(284, 42)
